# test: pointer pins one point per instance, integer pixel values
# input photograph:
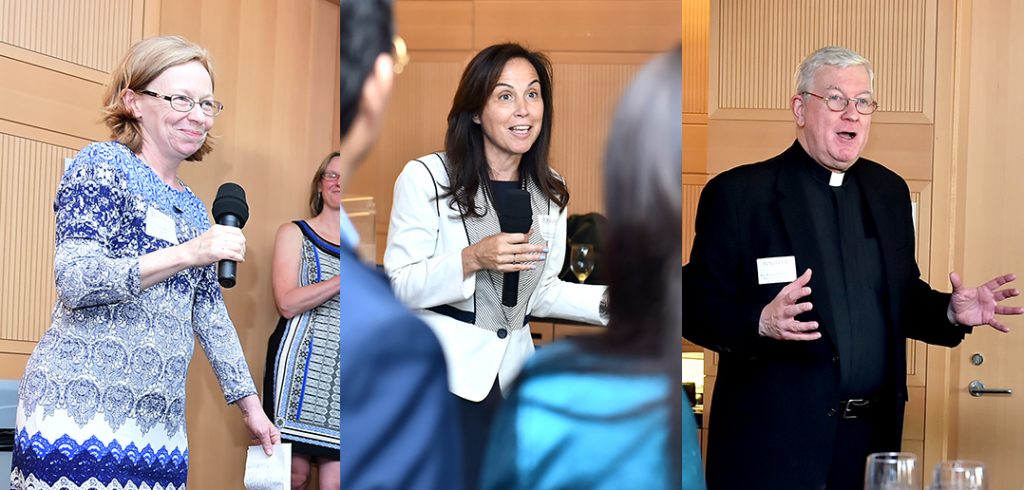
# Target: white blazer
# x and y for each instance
(423, 259)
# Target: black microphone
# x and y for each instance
(517, 218)
(229, 209)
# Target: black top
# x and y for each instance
(852, 261)
(499, 189)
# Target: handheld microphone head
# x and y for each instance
(518, 214)
(230, 200)
(229, 209)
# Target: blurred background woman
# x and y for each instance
(302, 381)
(604, 411)
(447, 255)
(102, 401)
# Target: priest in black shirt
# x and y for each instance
(812, 372)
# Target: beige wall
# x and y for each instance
(595, 46)
(276, 67)
(753, 49)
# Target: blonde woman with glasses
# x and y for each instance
(301, 385)
(102, 401)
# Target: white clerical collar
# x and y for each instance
(836, 180)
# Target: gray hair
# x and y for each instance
(829, 56)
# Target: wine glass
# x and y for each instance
(958, 475)
(891, 471)
(581, 261)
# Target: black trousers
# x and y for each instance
(855, 440)
(476, 419)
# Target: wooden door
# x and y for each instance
(991, 428)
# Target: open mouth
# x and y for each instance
(520, 130)
(847, 135)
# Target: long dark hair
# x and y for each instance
(464, 140)
(643, 244)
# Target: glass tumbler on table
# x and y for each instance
(891, 471)
(958, 475)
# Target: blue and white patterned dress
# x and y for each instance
(304, 376)
(102, 401)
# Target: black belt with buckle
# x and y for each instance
(856, 407)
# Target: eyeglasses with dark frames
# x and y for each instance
(838, 103)
(182, 103)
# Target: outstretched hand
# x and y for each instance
(980, 305)
(778, 318)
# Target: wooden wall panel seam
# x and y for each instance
(92, 34)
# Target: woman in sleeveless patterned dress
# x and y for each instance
(102, 401)
(301, 386)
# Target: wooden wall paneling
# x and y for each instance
(917, 351)
(695, 56)
(952, 75)
(760, 45)
(913, 421)
(435, 25)
(695, 143)
(606, 26)
(41, 97)
(29, 175)
(585, 99)
(562, 331)
(336, 136)
(90, 33)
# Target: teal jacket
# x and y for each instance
(693, 472)
(576, 420)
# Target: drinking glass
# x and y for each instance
(581, 261)
(891, 471)
(958, 475)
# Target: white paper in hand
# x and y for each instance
(264, 472)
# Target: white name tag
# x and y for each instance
(159, 225)
(773, 270)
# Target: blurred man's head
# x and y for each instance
(833, 105)
(367, 32)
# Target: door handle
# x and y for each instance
(977, 388)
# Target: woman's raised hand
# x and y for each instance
(218, 243)
(503, 252)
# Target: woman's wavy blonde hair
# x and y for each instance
(145, 61)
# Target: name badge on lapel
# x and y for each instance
(161, 226)
(773, 270)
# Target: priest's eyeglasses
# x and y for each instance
(838, 103)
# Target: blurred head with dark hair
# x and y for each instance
(367, 33)
(643, 200)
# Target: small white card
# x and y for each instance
(273, 472)
(159, 225)
(773, 270)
